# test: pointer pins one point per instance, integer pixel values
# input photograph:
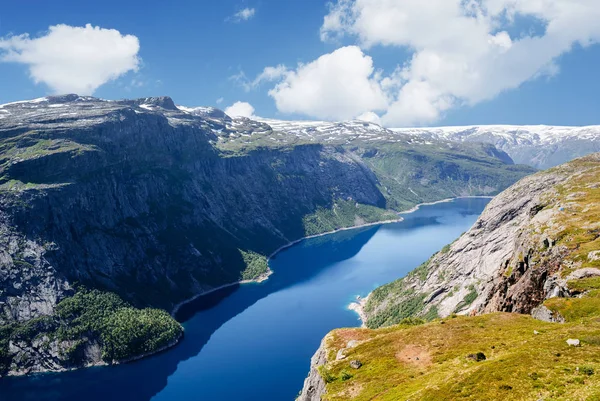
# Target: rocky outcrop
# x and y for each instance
(508, 261)
(532, 252)
(314, 385)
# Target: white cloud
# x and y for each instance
(220, 100)
(269, 74)
(240, 109)
(462, 51)
(369, 117)
(243, 15)
(74, 59)
(339, 85)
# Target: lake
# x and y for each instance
(255, 341)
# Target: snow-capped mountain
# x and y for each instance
(540, 146)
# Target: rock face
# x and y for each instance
(528, 253)
(507, 262)
(159, 204)
(314, 385)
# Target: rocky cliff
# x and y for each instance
(513, 306)
(158, 204)
(509, 261)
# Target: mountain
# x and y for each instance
(539, 146)
(513, 307)
(110, 207)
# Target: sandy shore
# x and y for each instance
(359, 308)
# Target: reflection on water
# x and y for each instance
(255, 341)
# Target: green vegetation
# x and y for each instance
(423, 270)
(5, 358)
(519, 365)
(394, 313)
(524, 358)
(122, 331)
(468, 300)
(256, 265)
(344, 214)
(434, 172)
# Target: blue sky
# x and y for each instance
(190, 51)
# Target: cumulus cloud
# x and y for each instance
(462, 51)
(240, 109)
(340, 85)
(269, 74)
(73, 59)
(243, 15)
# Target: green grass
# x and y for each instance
(344, 214)
(468, 300)
(519, 365)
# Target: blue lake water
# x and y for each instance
(254, 342)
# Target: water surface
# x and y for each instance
(254, 342)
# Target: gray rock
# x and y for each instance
(584, 273)
(594, 256)
(314, 385)
(546, 315)
(356, 364)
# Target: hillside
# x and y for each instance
(153, 204)
(509, 311)
(539, 146)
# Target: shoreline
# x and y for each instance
(263, 277)
(359, 306)
(417, 207)
(266, 275)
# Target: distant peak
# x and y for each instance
(206, 112)
(62, 98)
(164, 102)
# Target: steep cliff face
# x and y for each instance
(158, 204)
(509, 261)
(509, 311)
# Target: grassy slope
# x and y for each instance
(520, 365)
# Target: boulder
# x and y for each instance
(478, 357)
(585, 273)
(594, 256)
